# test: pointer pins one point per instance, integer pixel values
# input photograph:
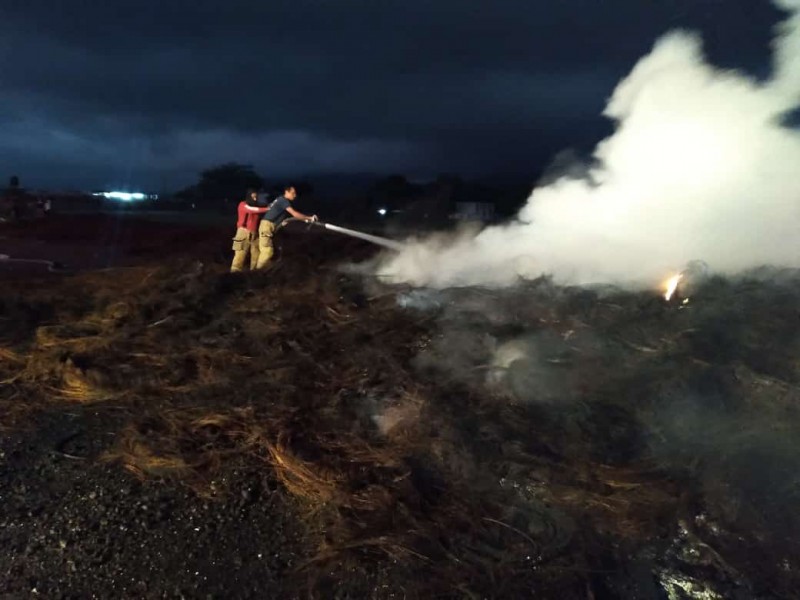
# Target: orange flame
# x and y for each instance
(670, 285)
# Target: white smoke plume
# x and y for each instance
(700, 167)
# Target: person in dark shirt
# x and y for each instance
(246, 240)
(280, 210)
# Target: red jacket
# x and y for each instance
(249, 217)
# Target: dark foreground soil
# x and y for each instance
(73, 527)
(170, 430)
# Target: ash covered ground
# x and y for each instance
(168, 429)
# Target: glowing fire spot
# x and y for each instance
(671, 285)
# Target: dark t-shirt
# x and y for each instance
(277, 213)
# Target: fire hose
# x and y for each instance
(375, 239)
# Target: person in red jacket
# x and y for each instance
(246, 240)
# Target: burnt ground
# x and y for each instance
(170, 430)
(73, 527)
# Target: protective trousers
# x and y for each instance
(245, 242)
(266, 229)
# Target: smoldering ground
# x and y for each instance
(534, 441)
(702, 389)
(699, 392)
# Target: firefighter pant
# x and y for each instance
(266, 230)
(245, 243)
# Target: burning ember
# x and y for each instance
(671, 285)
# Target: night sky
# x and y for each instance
(145, 93)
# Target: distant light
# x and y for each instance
(122, 196)
(125, 196)
(381, 211)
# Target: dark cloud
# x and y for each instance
(100, 91)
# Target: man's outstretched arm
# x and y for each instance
(298, 215)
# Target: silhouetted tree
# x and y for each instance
(13, 182)
(229, 181)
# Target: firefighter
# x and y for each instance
(279, 210)
(246, 240)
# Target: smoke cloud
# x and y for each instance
(700, 167)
